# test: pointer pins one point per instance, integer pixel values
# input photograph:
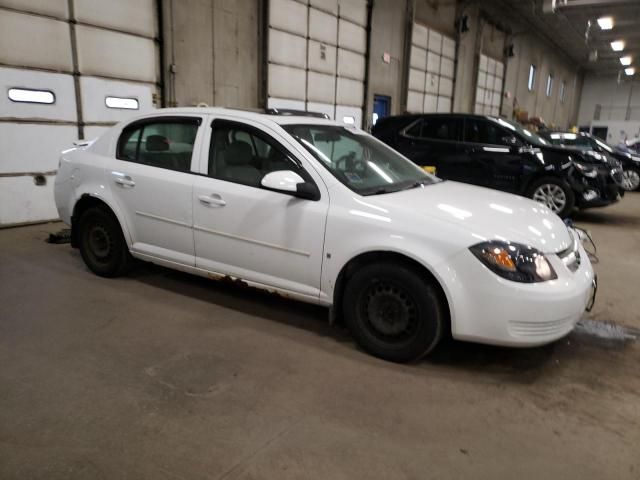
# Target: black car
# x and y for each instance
(589, 144)
(496, 153)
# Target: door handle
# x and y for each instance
(213, 200)
(123, 180)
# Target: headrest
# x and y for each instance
(238, 153)
(156, 143)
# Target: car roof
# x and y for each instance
(256, 115)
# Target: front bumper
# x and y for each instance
(488, 309)
(602, 190)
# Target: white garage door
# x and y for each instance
(44, 107)
(317, 57)
(431, 69)
(489, 86)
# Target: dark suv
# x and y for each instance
(619, 156)
(496, 153)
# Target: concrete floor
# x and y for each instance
(161, 375)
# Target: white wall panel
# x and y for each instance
(343, 111)
(287, 49)
(92, 132)
(323, 26)
(330, 6)
(54, 8)
(274, 102)
(102, 52)
(351, 64)
(446, 67)
(431, 82)
(352, 36)
(29, 147)
(420, 35)
(444, 105)
(354, 11)
(430, 103)
(435, 41)
(327, 108)
(29, 40)
(445, 88)
(433, 62)
(349, 92)
(60, 84)
(95, 90)
(288, 15)
(415, 101)
(448, 47)
(22, 201)
(418, 58)
(321, 87)
(416, 80)
(287, 82)
(322, 58)
(137, 16)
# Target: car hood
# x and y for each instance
(484, 213)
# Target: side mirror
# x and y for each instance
(510, 140)
(288, 181)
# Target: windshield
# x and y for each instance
(579, 141)
(529, 136)
(361, 162)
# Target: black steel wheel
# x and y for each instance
(102, 243)
(393, 312)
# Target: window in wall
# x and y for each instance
(563, 85)
(29, 95)
(122, 102)
(162, 144)
(549, 85)
(532, 78)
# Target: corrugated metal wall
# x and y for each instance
(431, 71)
(317, 56)
(112, 49)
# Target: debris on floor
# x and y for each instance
(63, 236)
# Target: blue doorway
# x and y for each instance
(381, 107)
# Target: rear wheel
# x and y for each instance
(630, 179)
(102, 243)
(392, 312)
(555, 194)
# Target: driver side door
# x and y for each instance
(246, 231)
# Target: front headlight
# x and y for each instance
(514, 261)
(586, 170)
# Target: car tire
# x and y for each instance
(102, 243)
(631, 179)
(392, 312)
(555, 194)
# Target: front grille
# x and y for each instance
(521, 328)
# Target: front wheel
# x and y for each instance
(393, 312)
(630, 179)
(102, 243)
(553, 193)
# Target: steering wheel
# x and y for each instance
(349, 163)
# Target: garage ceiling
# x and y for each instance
(566, 28)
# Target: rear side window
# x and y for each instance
(164, 143)
(481, 131)
(442, 129)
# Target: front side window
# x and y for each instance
(448, 129)
(359, 161)
(163, 143)
(244, 155)
(482, 131)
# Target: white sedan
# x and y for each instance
(327, 214)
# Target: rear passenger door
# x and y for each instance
(493, 154)
(151, 180)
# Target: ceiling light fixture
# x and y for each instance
(625, 61)
(630, 71)
(605, 23)
(617, 46)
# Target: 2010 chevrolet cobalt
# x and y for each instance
(326, 214)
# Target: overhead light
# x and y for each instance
(605, 23)
(617, 46)
(625, 61)
(630, 71)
